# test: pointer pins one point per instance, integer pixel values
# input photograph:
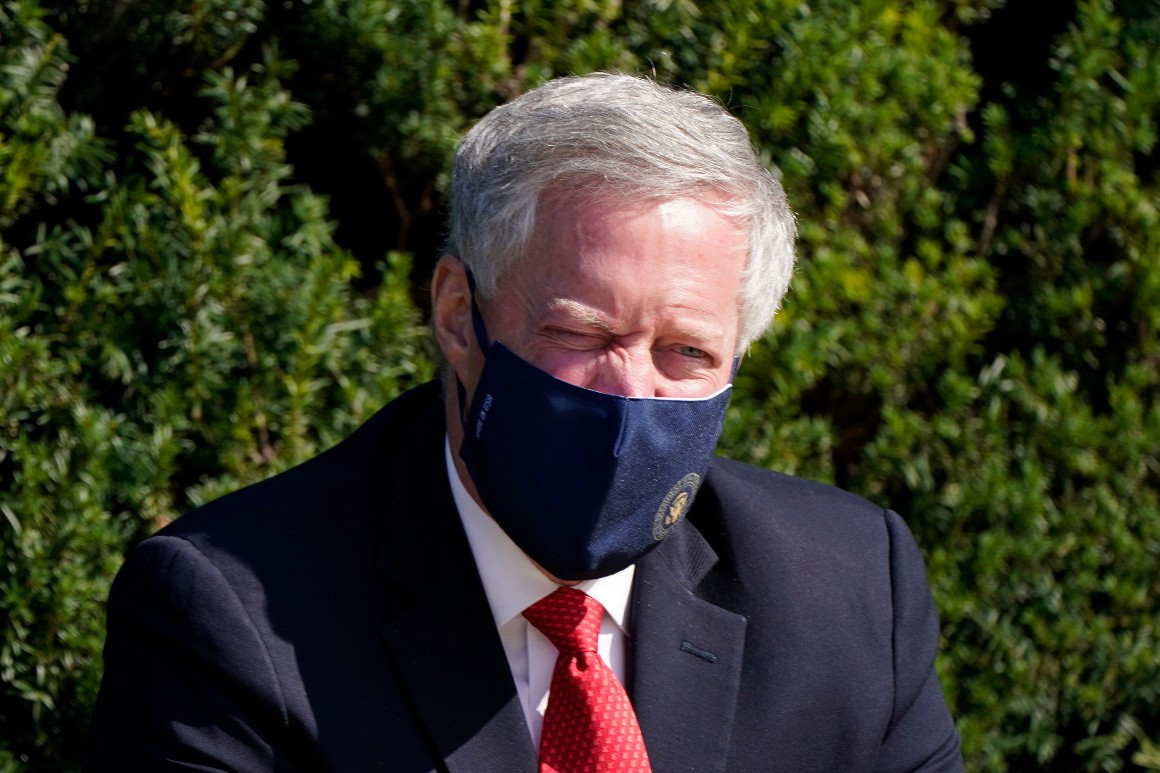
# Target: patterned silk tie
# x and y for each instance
(589, 725)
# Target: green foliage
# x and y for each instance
(208, 213)
(42, 151)
(973, 342)
(1051, 472)
(187, 327)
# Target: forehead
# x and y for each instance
(631, 258)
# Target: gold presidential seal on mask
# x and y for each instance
(675, 504)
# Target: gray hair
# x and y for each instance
(629, 138)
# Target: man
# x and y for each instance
(394, 604)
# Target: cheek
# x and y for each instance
(696, 388)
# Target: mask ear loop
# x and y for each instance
(480, 338)
(477, 317)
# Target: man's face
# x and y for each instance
(637, 300)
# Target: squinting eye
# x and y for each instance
(576, 339)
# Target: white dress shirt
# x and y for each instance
(513, 583)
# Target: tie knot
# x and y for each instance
(569, 618)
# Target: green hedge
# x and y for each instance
(209, 213)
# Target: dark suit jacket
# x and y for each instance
(331, 618)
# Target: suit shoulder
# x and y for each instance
(745, 511)
(748, 487)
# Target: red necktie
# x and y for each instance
(589, 725)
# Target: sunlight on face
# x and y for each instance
(638, 300)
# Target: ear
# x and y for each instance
(451, 313)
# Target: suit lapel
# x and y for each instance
(440, 633)
(451, 663)
(686, 658)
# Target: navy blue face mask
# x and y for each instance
(585, 483)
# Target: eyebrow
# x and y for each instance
(578, 312)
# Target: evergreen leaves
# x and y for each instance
(209, 213)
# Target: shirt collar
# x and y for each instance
(511, 580)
